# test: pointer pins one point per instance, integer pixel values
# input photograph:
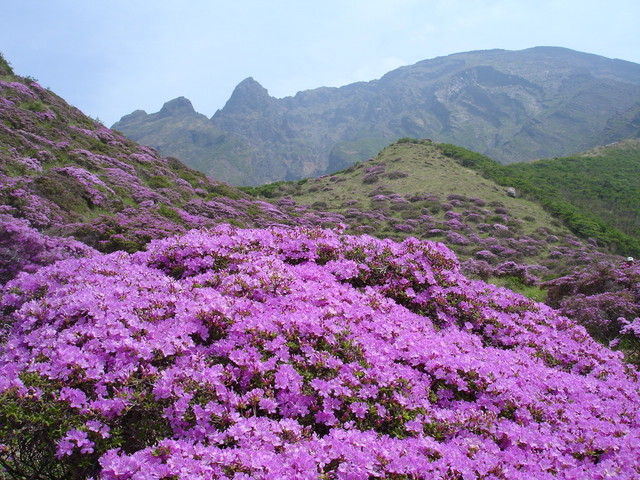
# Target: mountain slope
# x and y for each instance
(510, 105)
(63, 173)
(604, 182)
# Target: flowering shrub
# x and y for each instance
(23, 248)
(90, 182)
(606, 300)
(455, 238)
(370, 178)
(301, 353)
(394, 175)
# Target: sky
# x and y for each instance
(111, 57)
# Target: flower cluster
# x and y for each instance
(23, 248)
(605, 298)
(302, 353)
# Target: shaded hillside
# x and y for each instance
(414, 188)
(510, 105)
(179, 131)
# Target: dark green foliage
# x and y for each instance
(408, 140)
(595, 196)
(223, 190)
(66, 192)
(194, 177)
(35, 106)
(606, 184)
(5, 67)
(170, 213)
(270, 190)
(32, 423)
(158, 181)
(468, 158)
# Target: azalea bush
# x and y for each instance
(605, 298)
(22, 248)
(301, 353)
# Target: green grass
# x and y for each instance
(534, 293)
(596, 194)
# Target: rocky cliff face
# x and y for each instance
(510, 105)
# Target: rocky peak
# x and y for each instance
(135, 115)
(248, 96)
(177, 106)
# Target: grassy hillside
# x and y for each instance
(419, 189)
(604, 182)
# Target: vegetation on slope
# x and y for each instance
(66, 173)
(596, 194)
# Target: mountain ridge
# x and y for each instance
(540, 102)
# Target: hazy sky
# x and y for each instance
(110, 57)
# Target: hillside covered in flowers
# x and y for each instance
(157, 324)
(66, 175)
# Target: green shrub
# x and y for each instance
(67, 192)
(159, 181)
(223, 190)
(169, 213)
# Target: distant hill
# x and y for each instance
(510, 105)
(604, 181)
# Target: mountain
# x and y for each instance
(510, 105)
